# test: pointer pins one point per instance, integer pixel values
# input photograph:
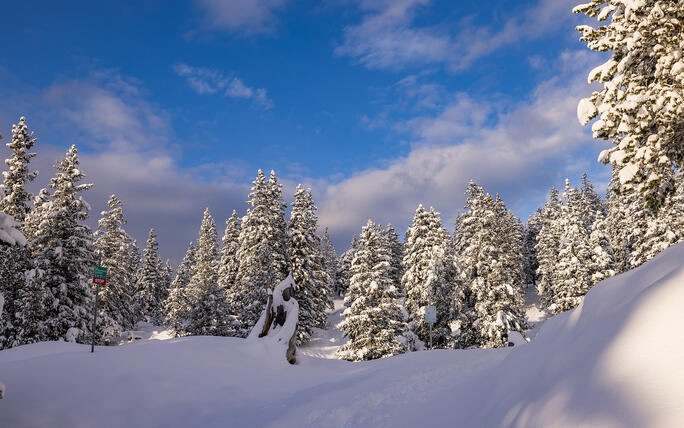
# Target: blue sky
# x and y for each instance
(378, 105)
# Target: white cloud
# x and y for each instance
(126, 148)
(246, 17)
(208, 82)
(388, 38)
(518, 150)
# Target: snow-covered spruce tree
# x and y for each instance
(548, 244)
(229, 263)
(397, 249)
(602, 259)
(148, 281)
(306, 260)
(373, 320)
(64, 254)
(591, 201)
(330, 263)
(572, 274)
(642, 100)
(278, 225)
(177, 305)
(529, 247)
(14, 201)
(15, 197)
(344, 269)
(260, 247)
(429, 279)
(111, 244)
(492, 267)
(208, 307)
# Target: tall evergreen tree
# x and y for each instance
(397, 252)
(307, 267)
(572, 274)
(14, 201)
(278, 226)
(330, 263)
(344, 270)
(429, 279)
(548, 244)
(148, 281)
(64, 254)
(641, 103)
(373, 320)
(208, 307)
(228, 268)
(177, 305)
(15, 197)
(492, 267)
(259, 254)
(111, 244)
(529, 247)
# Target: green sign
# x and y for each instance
(100, 272)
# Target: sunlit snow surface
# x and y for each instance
(615, 361)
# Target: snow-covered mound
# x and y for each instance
(615, 361)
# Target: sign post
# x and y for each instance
(99, 278)
(430, 318)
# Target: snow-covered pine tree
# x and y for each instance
(572, 274)
(64, 254)
(548, 244)
(257, 271)
(642, 100)
(208, 307)
(330, 263)
(278, 226)
(308, 271)
(429, 279)
(373, 320)
(397, 249)
(602, 259)
(231, 243)
(591, 201)
(111, 245)
(15, 198)
(492, 267)
(177, 305)
(344, 270)
(14, 201)
(148, 280)
(529, 247)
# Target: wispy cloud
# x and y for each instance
(388, 37)
(244, 17)
(206, 81)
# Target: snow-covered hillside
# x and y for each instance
(614, 361)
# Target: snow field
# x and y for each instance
(615, 361)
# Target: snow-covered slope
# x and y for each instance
(615, 361)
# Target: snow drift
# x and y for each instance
(615, 361)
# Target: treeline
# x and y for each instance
(217, 291)
(476, 277)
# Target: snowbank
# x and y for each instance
(615, 361)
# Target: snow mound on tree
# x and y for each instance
(615, 361)
(8, 231)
